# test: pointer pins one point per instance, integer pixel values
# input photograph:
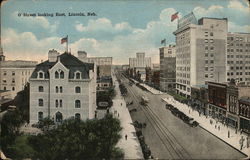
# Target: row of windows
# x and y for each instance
(237, 50)
(12, 73)
(59, 75)
(41, 116)
(238, 56)
(59, 103)
(59, 89)
(183, 81)
(207, 40)
(183, 87)
(13, 88)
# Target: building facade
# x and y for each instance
(217, 100)
(200, 52)
(167, 68)
(244, 113)
(15, 74)
(104, 64)
(199, 98)
(139, 65)
(238, 57)
(62, 87)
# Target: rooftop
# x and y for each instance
(70, 62)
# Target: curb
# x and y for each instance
(224, 141)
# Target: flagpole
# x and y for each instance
(67, 45)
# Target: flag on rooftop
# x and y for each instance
(174, 16)
(65, 39)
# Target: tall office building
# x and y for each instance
(167, 68)
(238, 57)
(139, 64)
(200, 52)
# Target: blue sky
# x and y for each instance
(120, 29)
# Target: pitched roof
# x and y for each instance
(70, 62)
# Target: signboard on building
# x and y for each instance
(186, 20)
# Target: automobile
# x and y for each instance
(193, 123)
(168, 106)
(175, 111)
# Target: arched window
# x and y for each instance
(13, 88)
(78, 89)
(78, 116)
(40, 102)
(61, 75)
(77, 104)
(61, 89)
(78, 75)
(40, 89)
(57, 89)
(56, 75)
(40, 74)
(40, 116)
(56, 103)
(60, 103)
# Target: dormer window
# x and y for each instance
(59, 74)
(56, 75)
(77, 75)
(41, 74)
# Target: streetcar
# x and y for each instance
(144, 100)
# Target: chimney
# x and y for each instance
(82, 55)
(52, 55)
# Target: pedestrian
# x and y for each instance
(118, 114)
(126, 137)
(121, 104)
(240, 131)
(218, 127)
(228, 134)
(215, 126)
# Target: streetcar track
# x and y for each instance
(180, 151)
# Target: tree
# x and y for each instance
(75, 139)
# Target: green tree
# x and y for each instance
(75, 139)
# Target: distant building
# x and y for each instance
(167, 68)
(5, 97)
(200, 52)
(104, 64)
(140, 61)
(104, 83)
(238, 57)
(62, 87)
(139, 65)
(15, 74)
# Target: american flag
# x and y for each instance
(65, 39)
(174, 16)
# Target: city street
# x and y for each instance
(168, 136)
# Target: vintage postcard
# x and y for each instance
(125, 79)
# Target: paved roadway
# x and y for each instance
(171, 138)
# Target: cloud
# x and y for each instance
(35, 21)
(26, 45)
(212, 10)
(102, 25)
(237, 5)
(233, 27)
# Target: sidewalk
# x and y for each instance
(216, 128)
(151, 89)
(131, 146)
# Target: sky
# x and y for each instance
(115, 28)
